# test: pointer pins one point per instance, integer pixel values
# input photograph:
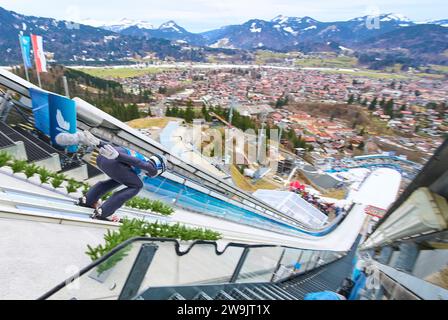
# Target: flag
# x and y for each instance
(53, 114)
(62, 112)
(39, 55)
(41, 110)
(25, 45)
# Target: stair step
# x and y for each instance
(284, 292)
(276, 294)
(239, 295)
(296, 292)
(222, 295)
(264, 293)
(253, 294)
(203, 296)
(177, 297)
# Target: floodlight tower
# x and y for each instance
(232, 107)
(233, 102)
(262, 137)
(282, 127)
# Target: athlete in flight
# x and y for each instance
(123, 166)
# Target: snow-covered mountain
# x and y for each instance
(397, 17)
(169, 30)
(442, 23)
(287, 32)
(125, 23)
(119, 25)
(280, 33)
(171, 26)
(294, 25)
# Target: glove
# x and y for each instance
(84, 137)
(109, 152)
(160, 163)
(67, 139)
(88, 139)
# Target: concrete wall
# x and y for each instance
(79, 174)
(17, 151)
(53, 163)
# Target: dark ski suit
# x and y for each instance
(126, 170)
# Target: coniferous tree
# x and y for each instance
(389, 108)
(189, 114)
(131, 112)
(351, 99)
(168, 112)
(373, 104)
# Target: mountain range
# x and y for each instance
(169, 30)
(409, 42)
(126, 39)
(280, 33)
(68, 42)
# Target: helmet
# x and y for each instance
(160, 163)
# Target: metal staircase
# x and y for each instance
(326, 278)
(294, 289)
(5, 141)
(33, 151)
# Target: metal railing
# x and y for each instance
(130, 269)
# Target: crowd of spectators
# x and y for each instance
(330, 209)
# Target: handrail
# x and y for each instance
(177, 247)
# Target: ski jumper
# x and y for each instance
(128, 169)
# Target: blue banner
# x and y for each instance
(25, 44)
(41, 110)
(62, 117)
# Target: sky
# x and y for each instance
(202, 15)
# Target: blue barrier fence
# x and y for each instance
(189, 198)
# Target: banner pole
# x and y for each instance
(67, 92)
(38, 78)
(27, 74)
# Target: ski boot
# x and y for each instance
(82, 202)
(97, 215)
